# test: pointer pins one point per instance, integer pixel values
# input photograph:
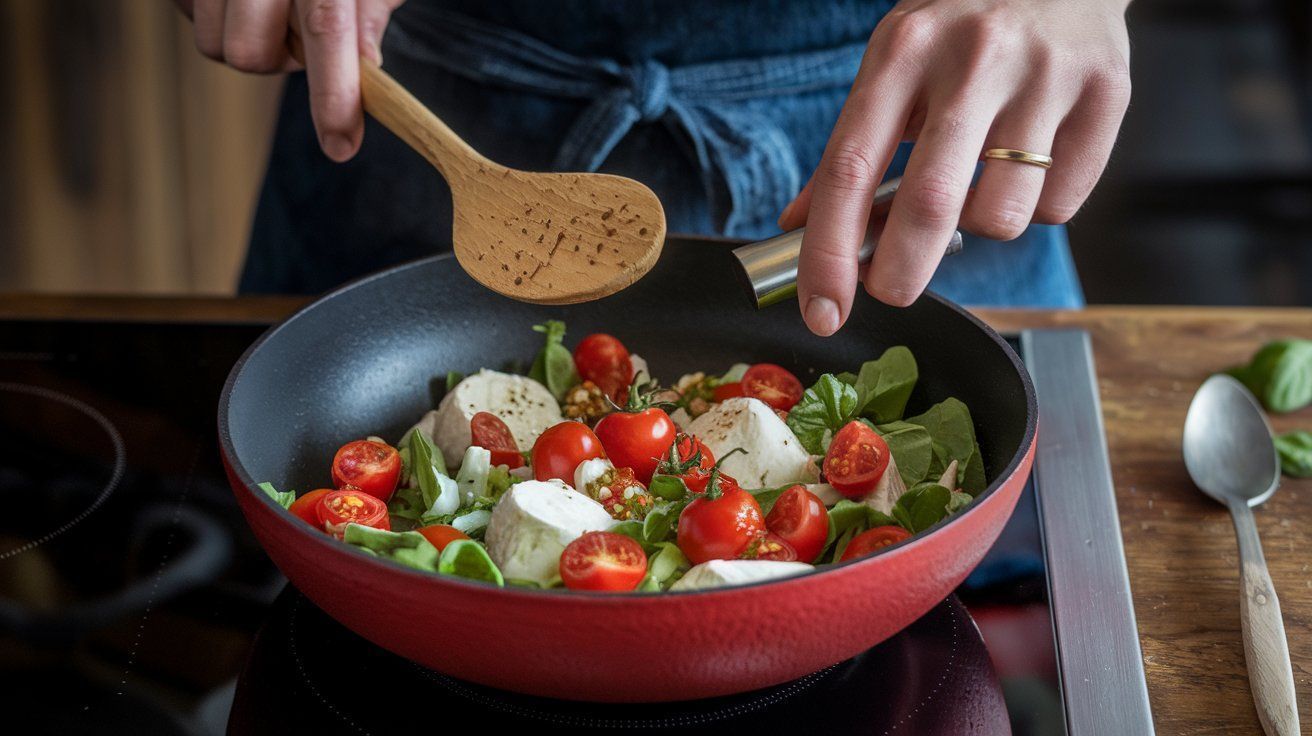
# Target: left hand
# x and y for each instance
(958, 77)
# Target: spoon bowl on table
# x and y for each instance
(1231, 457)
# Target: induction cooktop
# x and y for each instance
(133, 599)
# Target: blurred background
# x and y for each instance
(131, 163)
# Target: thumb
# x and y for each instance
(371, 20)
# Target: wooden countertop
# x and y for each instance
(1179, 545)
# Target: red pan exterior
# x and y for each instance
(627, 648)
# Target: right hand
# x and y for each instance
(251, 36)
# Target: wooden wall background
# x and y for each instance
(128, 162)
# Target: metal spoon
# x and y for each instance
(1230, 456)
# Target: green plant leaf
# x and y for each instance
(823, 410)
(884, 385)
(453, 378)
(1295, 449)
(282, 498)
(407, 548)
(554, 366)
(925, 506)
(466, 558)
(765, 497)
(1280, 374)
(660, 522)
(667, 487)
(849, 518)
(952, 433)
(912, 448)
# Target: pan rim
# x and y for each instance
(249, 485)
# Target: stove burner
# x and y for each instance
(116, 474)
(308, 672)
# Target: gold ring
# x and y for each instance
(1024, 157)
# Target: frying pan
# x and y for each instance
(367, 358)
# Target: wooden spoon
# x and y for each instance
(543, 238)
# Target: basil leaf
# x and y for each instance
(952, 433)
(440, 494)
(661, 520)
(1280, 374)
(928, 506)
(465, 558)
(911, 447)
(667, 487)
(282, 498)
(823, 410)
(554, 366)
(453, 378)
(765, 497)
(667, 565)
(884, 385)
(407, 503)
(1295, 450)
(407, 548)
(648, 585)
(631, 529)
(734, 374)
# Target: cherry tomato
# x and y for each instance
(772, 384)
(369, 466)
(637, 440)
(486, 430)
(726, 391)
(872, 540)
(605, 361)
(799, 518)
(720, 523)
(339, 508)
(441, 535)
(770, 546)
(856, 460)
(560, 449)
(306, 507)
(603, 561)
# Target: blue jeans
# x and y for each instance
(724, 125)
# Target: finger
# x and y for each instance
(794, 215)
(332, 65)
(255, 35)
(1003, 202)
(207, 22)
(1083, 144)
(372, 22)
(858, 153)
(928, 203)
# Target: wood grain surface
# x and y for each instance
(1180, 545)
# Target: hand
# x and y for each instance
(958, 77)
(251, 35)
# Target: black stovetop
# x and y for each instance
(134, 600)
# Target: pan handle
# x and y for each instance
(770, 266)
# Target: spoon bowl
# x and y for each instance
(1227, 444)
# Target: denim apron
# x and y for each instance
(722, 108)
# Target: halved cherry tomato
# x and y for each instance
(770, 546)
(560, 449)
(726, 391)
(369, 466)
(605, 361)
(486, 430)
(772, 384)
(679, 462)
(872, 540)
(720, 523)
(799, 518)
(306, 507)
(856, 460)
(637, 440)
(339, 508)
(440, 535)
(603, 561)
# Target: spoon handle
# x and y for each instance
(392, 105)
(1265, 647)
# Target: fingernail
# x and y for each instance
(783, 216)
(337, 146)
(822, 315)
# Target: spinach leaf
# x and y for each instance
(407, 548)
(959, 501)
(282, 498)
(554, 366)
(1280, 374)
(846, 520)
(407, 503)
(466, 558)
(439, 494)
(884, 385)
(952, 433)
(1295, 450)
(922, 506)
(631, 528)
(823, 410)
(911, 447)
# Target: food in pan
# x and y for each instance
(586, 474)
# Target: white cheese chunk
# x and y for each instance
(827, 494)
(889, 489)
(681, 418)
(641, 373)
(774, 454)
(525, 405)
(717, 573)
(533, 523)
